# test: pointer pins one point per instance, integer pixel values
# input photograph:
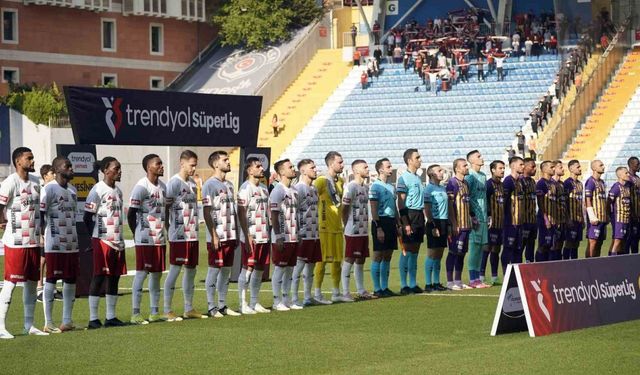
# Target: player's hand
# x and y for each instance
(435, 232)
(407, 230)
(454, 230)
(489, 222)
(380, 234)
(547, 224)
(3, 225)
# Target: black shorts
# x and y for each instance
(416, 220)
(443, 228)
(388, 225)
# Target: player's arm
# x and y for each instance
(346, 204)
(169, 200)
(243, 202)
(135, 202)
(540, 193)
(611, 198)
(489, 195)
(6, 191)
(3, 220)
(402, 206)
(452, 214)
(275, 199)
(207, 202)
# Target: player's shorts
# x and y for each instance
(460, 243)
(356, 247)
(185, 253)
(512, 236)
(634, 230)
(107, 261)
(309, 251)
(439, 242)
(495, 237)
(150, 258)
(529, 232)
(480, 235)
(21, 264)
(388, 225)
(560, 233)
(62, 265)
(546, 237)
(574, 232)
(286, 257)
(332, 246)
(223, 256)
(258, 256)
(620, 230)
(597, 232)
(416, 220)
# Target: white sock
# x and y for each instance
(254, 283)
(346, 271)
(29, 294)
(276, 283)
(170, 286)
(5, 300)
(210, 281)
(295, 279)
(458, 282)
(358, 272)
(136, 293)
(188, 285)
(243, 281)
(317, 292)
(494, 278)
(154, 291)
(335, 291)
(286, 284)
(94, 303)
(111, 306)
(307, 275)
(223, 286)
(68, 298)
(47, 302)
(481, 278)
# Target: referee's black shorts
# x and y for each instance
(416, 220)
(443, 229)
(388, 225)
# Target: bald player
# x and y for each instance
(631, 245)
(620, 208)
(595, 196)
(530, 224)
(574, 190)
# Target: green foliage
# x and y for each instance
(39, 104)
(254, 24)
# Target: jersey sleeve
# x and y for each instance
(452, 189)
(92, 201)
(320, 184)
(172, 192)
(7, 190)
(243, 197)
(374, 193)
(207, 195)
(568, 186)
(137, 196)
(614, 192)
(589, 188)
(276, 198)
(45, 198)
(541, 188)
(347, 195)
(401, 186)
(426, 197)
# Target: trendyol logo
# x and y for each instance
(540, 299)
(113, 107)
(165, 118)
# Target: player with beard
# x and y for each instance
(575, 204)
(530, 225)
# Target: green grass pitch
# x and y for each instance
(418, 334)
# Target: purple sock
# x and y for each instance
(494, 259)
(529, 251)
(459, 264)
(542, 256)
(566, 253)
(507, 253)
(483, 264)
(450, 262)
(516, 256)
(555, 255)
(574, 253)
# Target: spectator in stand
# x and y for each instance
(521, 142)
(480, 65)
(405, 61)
(528, 45)
(389, 55)
(275, 125)
(438, 84)
(363, 79)
(397, 55)
(377, 54)
(553, 44)
(354, 33)
(500, 58)
(537, 46)
(515, 44)
(390, 41)
(356, 58)
(604, 42)
(534, 121)
(398, 39)
(376, 32)
(510, 152)
(532, 148)
(547, 39)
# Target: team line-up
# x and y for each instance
(306, 222)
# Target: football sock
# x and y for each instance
(319, 276)
(94, 303)
(516, 256)
(554, 255)
(111, 305)
(276, 283)
(385, 268)
(375, 275)
(494, 259)
(346, 271)
(29, 294)
(459, 264)
(170, 286)
(574, 254)
(436, 270)
(254, 284)
(242, 286)
(47, 301)
(210, 281)
(358, 272)
(295, 279)
(154, 292)
(223, 286)
(136, 294)
(428, 269)
(286, 284)
(450, 263)
(188, 286)
(505, 257)
(5, 300)
(483, 264)
(335, 274)
(402, 267)
(307, 275)
(68, 298)
(412, 267)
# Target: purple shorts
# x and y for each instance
(460, 243)
(546, 237)
(560, 233)
(512, 236)
(620, 230)
(634, 230)
(597, 232)
(573, 232)
(529, 232)
(495, 237)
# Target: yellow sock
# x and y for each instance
(318, 275)
(336, 271)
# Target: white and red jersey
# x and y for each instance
(220, 197)
(106, 203)
(285, 200)
(308, 196)
(256, 200)
(182, 203)
(356, 196)
(59, 205)
(150, 200)
(22, 201)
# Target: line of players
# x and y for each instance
(303, 227)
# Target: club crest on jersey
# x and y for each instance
(113, 109)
